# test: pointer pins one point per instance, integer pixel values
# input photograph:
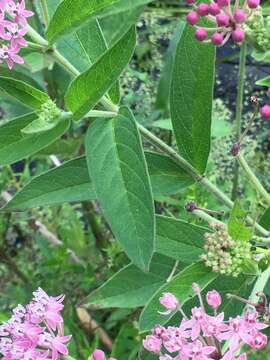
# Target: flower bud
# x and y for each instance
(217, 38)
(152, 344)
(214, 9)
(268, 92)
(223, 2)
(235, 149)
(213, 299)
(265, 111)
(203, 9)
(201, 34)
(98, 355)
(169, 301)
(239, 16)
(192, 17)
(238, 35)
(223, 19)
(253, 4)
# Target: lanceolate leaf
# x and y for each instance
(179, 240)
(181, 287)
(264, 82)
(71, 14)
(23, 92)
(74, 175)
(265, 219)
(15, 146)
(118, 170)
(191, 98)
(66, 183)
(88, 88)
(131, 287)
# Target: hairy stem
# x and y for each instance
(45, 12)
(208, 218)
(151, 137)
(239, 111)
(253, 179)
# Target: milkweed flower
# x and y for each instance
(225, 20)
(13, 28)
(35, 331)
(202, 335)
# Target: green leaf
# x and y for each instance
(131, 287)
(166, 176)
(88, 88)
(179, 240)
(191, 98)
(23, 92)
(40, 125)
(71, 15)
(14, 146)
(237, 227)
(264, 82)
(66, 183)
(162, 101)
(265, 220)
(118, 169)
(181, 287)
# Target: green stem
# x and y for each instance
(239, 110)
(260, 285)
(45, 11)
(253, 179)
(151, 137)
(208, 218)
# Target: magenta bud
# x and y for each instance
(223, 19)
(265, 112)
(253, 4)
(192, 17)
(222, 3)
(169, 301)
(235, 149)
(213, 299)
(98, 355)
(239, 16)
(191, 206)
(203, 9)
(217, 38)
(214, 9)
(238, 35)
(201, 34)
(190, 2)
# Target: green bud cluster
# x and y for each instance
(258, 30)
(223, 254)
(49, 112)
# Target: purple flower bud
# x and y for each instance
(191, 206)
(214, 9)
(223, 19)
(239, 16)
(169, 301)
(201, 34)
(265, 112)
(213, 299)
(222, 3)
(217, 38)
(203, 9)
(98, 355)
(192, 17)
(238, 35)
(235, 149)
(253, 4)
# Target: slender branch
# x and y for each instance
(45, 11)
(208, 218)
(253, 179)
(152, 138)
(239, 110)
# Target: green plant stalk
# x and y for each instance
(183, 164)
(45, 11)
(253, 179)
(239, 110)
(260, 285)
(206, 217)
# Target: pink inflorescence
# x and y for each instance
(227, 20)
(35, 331)
(13, 28)
(202, 336)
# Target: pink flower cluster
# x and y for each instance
(228, 20)
(202, 336)
(13, 28)
(35, 331)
